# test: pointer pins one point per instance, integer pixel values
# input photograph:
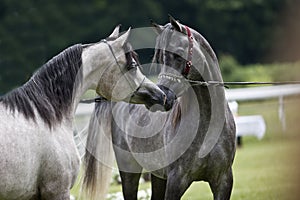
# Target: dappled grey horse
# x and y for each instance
(38, 156)
(194, 141)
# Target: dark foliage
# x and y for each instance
(32, 31)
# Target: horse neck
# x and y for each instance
(211, 95)
(207, 98)
(63, 74)
(195, 97)
(91, 72)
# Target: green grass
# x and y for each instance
(263, 169)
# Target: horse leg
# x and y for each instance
(130, 184)
(222, 188)
(177, 184)
(158, 188)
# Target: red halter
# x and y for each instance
(190, 52)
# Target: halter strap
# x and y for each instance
(99, 99)
(112, 52)
(190, 52)
(132, 87)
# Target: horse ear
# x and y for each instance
(158, 29)
(124, 37)
(175, 24)
(115, 33)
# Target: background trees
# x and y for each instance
(32, 31)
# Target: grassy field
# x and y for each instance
(263, 169)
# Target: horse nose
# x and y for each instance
(170, 97)
(163, 102)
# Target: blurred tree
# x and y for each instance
(33, 31)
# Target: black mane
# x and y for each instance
(50, 89)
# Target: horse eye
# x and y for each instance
(132, 65)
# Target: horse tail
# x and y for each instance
(98, 158)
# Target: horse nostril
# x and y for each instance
(165, 99)
(170, 97)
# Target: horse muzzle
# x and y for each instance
(161, 99)
(170, 97)
(167, 103)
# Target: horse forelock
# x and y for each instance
(161, 43)
(50, 89)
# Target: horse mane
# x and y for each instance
(205, 45)
(50, 89)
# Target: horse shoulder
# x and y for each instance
(61, 160)
(20, 154)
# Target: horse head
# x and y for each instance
(184, 56)
(121, 79)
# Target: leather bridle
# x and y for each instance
(190, 52)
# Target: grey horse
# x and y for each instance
(194, 141)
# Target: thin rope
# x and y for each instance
(224, 84)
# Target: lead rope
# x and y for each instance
(217, 83)
(226, 84)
